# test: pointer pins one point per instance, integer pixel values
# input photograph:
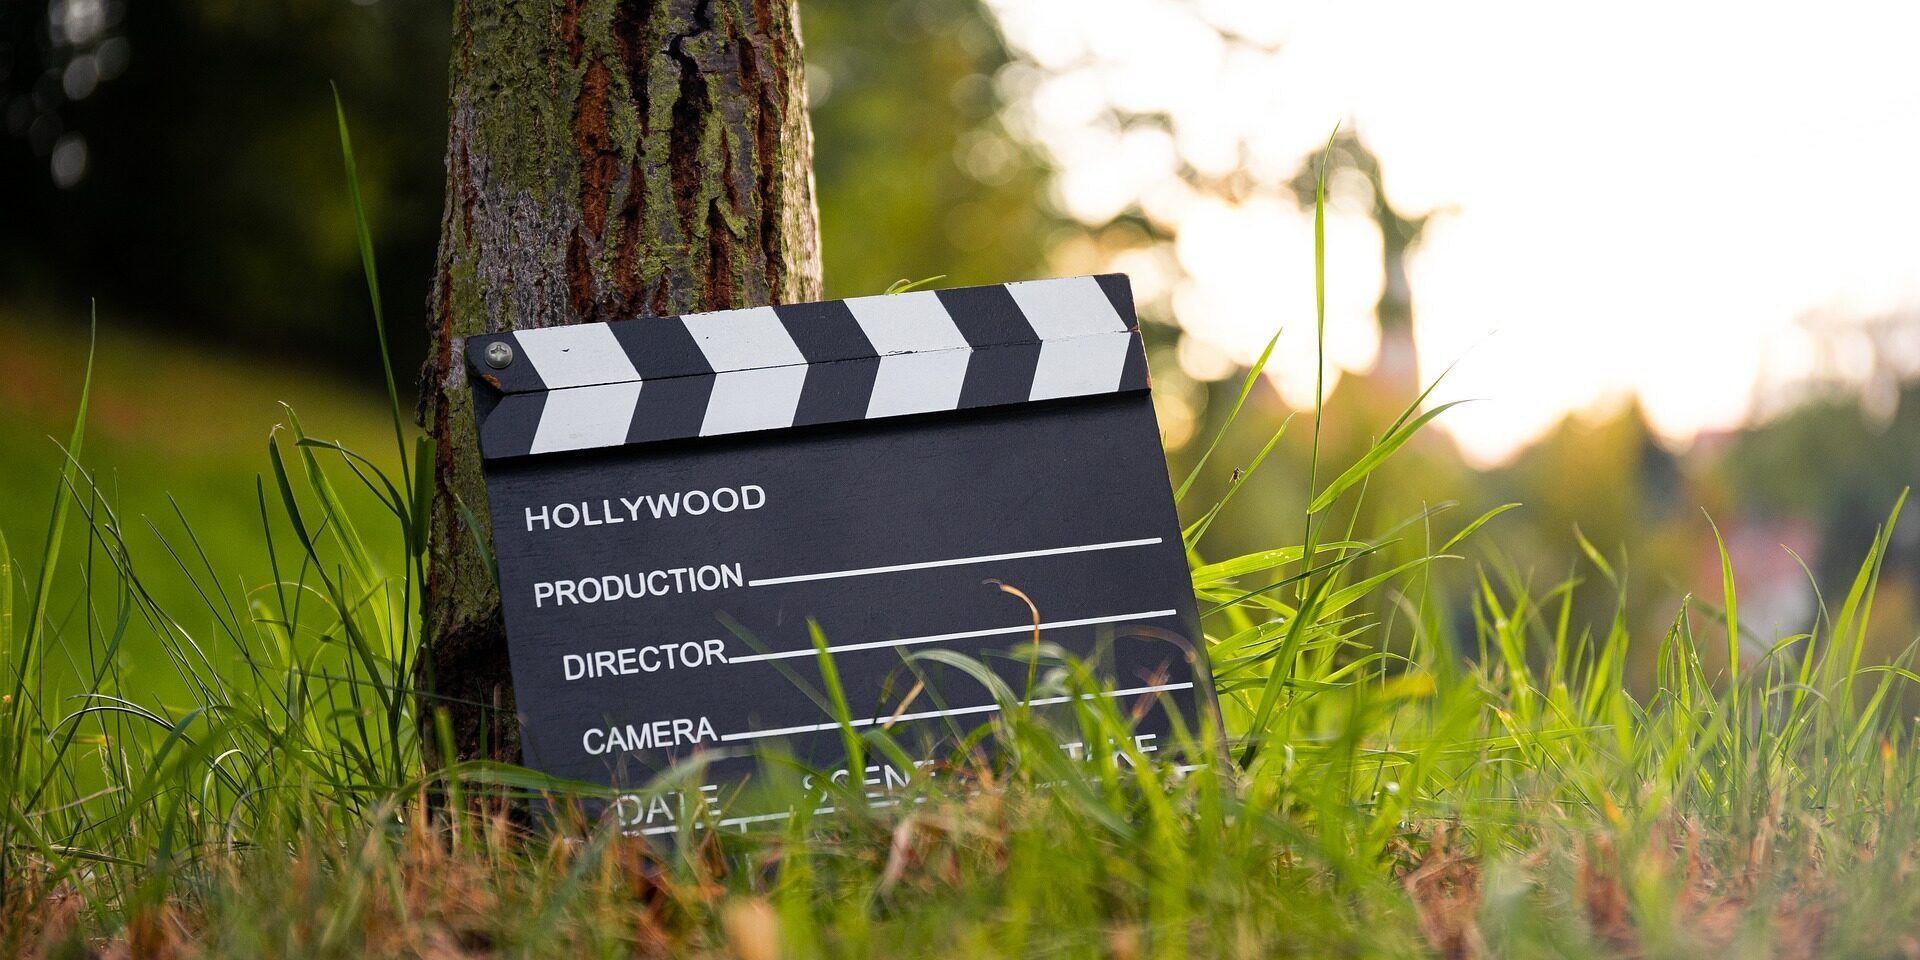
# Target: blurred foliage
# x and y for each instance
(208, 205)
(204, 202)
(209, 200)
(1828, 461)
(916, 175)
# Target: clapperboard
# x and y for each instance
(674, 500)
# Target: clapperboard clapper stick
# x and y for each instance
(674, 499)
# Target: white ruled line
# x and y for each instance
(955, 562)
(728, 822)
(962, 635)
(931, 714)
(744, 822)
(722, 824)
(874, 803)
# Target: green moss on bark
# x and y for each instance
(606, 159)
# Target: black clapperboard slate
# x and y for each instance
(674, 499)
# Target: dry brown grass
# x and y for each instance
(429, 891)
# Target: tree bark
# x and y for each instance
(606, 159)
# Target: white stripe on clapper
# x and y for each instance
(923, 355)
(1084, 341)
(576, 355)
(758, 369)
(580, 418)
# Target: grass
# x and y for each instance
(1396, 786)
(170, 423)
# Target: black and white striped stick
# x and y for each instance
(766, 368)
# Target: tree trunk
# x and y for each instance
(606, 159)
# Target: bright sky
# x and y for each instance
(1643, 196)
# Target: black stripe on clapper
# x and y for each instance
(1006, 349)
(841, 362)
(508, 422)
(675, 378)
(1133, 376)
(1119, 293)
(517, 377)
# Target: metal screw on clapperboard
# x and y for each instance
(499, 354)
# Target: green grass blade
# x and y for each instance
(1246, 390)
(1469, 529)
(837, 697)
(1376, 456)
(25, 659)
(903, 285)
(364, 236)
(6, 593)
(56, 528)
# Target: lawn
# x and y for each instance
(1380, 794)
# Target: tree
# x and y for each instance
(606, 159)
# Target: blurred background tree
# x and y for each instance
(194, 187)
(180, 161)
